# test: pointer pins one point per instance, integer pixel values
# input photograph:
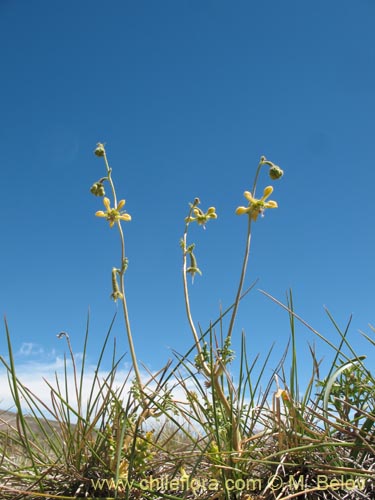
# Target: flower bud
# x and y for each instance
(193, 269)
(99, 150)
(116, 294)
(97, 189)
(275, 172)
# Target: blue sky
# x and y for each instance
(187, 97)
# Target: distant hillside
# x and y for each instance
(8, 421)
(7, 418)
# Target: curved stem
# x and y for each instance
(187, 303)
(260, 164)
(109, 172)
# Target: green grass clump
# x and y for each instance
(246, 433)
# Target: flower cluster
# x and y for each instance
(97, 189)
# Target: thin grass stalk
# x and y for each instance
(369, 339)
(44, 426)
(98, 365)
(253, 389)
(294, 390)
(314, 377)
(252, 413)
(339, 350)
(83, 363)
(285, 307)
(23, 432)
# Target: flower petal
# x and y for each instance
(271, 204)
(100, 213)
(125, 217)
(242, 210)
(267, 191)
(121, 203)
(107, 203)
(249, 196)
(198, 212)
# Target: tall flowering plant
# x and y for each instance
(212, 362)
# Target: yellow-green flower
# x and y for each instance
(256, 206)
(193, 269)
(113, 214)
(200, 217)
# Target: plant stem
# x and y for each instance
(205, 367)
(122, 287)
(242, 278)
(245, 259)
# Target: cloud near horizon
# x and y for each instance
(39, 378)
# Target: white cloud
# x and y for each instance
(30, 348)
(39, 376)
